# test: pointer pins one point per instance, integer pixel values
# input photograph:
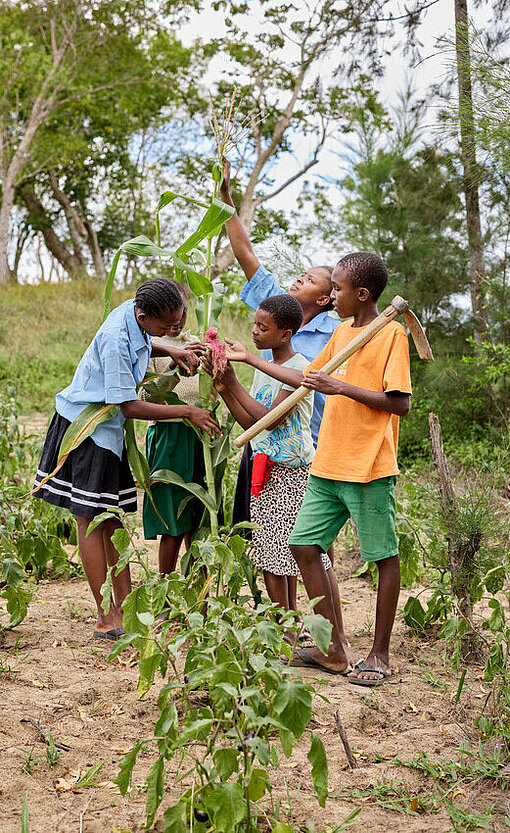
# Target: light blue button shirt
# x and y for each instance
(309, 339)
(112, 366)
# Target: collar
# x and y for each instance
(320, 323)
(137, 338)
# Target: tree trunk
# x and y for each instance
(468, 158)
(5, 217)
(79, 230)
(461, 557)
(72, 265)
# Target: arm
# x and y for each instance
(394, 402)
(237, 234)
(138, 409)
(237, 352)
(187, 358)
(245, 410)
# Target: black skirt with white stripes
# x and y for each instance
(92, 479)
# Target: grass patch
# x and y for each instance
(45, 329)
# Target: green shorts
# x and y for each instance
(328, 504)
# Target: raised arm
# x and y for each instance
(237, 234)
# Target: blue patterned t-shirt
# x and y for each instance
(290, 443)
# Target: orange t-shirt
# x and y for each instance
(357, 443)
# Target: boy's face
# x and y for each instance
(346, 297)
(266, 334)
(162, 325)
(311, 287)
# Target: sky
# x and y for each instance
(430, 68)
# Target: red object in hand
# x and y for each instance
(217, 349)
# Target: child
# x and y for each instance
(282, 456)
(173, 445)
(354, 470)
(96, 476)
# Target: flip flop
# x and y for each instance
(375, 669)
(112, 635)
(303, 659)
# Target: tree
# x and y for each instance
(401, 199)
(79, 77)
(470, 169)
(285, 87)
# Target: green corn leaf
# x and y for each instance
(144, 247)
(139, 465)
(165, 199)
(109, 284)
(169, 196)
(82, 427)
(167, 476)
(198, 283)
(210, 224)
(24, 815)
(319, 762)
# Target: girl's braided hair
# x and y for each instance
(159, 295)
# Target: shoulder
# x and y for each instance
(297, 362)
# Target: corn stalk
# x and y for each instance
(216, 214)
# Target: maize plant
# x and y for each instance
(208, 307)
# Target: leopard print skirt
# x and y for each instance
(275, 511)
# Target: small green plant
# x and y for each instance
(24, 815)
(28, 760)
(398, 797)
(53, 754)
(88, 779)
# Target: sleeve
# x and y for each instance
(397, 372)
(261, 286)
(117, 362)
(324, 356)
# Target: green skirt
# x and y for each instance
(173, 446)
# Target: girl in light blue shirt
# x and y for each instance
(96, 476)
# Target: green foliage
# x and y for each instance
(220, 717)
(31, 532)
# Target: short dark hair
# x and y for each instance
(286, 311)
(159, 295)
(329, 285)
(365, 269)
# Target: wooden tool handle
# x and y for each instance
(397, 307)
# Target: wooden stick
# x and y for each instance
(397, 307)
(343, 737)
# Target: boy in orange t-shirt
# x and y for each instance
(354, 470)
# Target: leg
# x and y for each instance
(93, 556)
(374, 514)
(277, 589)
(169, 547)
(292, 591)
(122, 582)
(387, 598)
(317, 583)
(331, 553)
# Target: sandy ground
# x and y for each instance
(53, 674)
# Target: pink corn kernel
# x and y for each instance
(217, 350)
